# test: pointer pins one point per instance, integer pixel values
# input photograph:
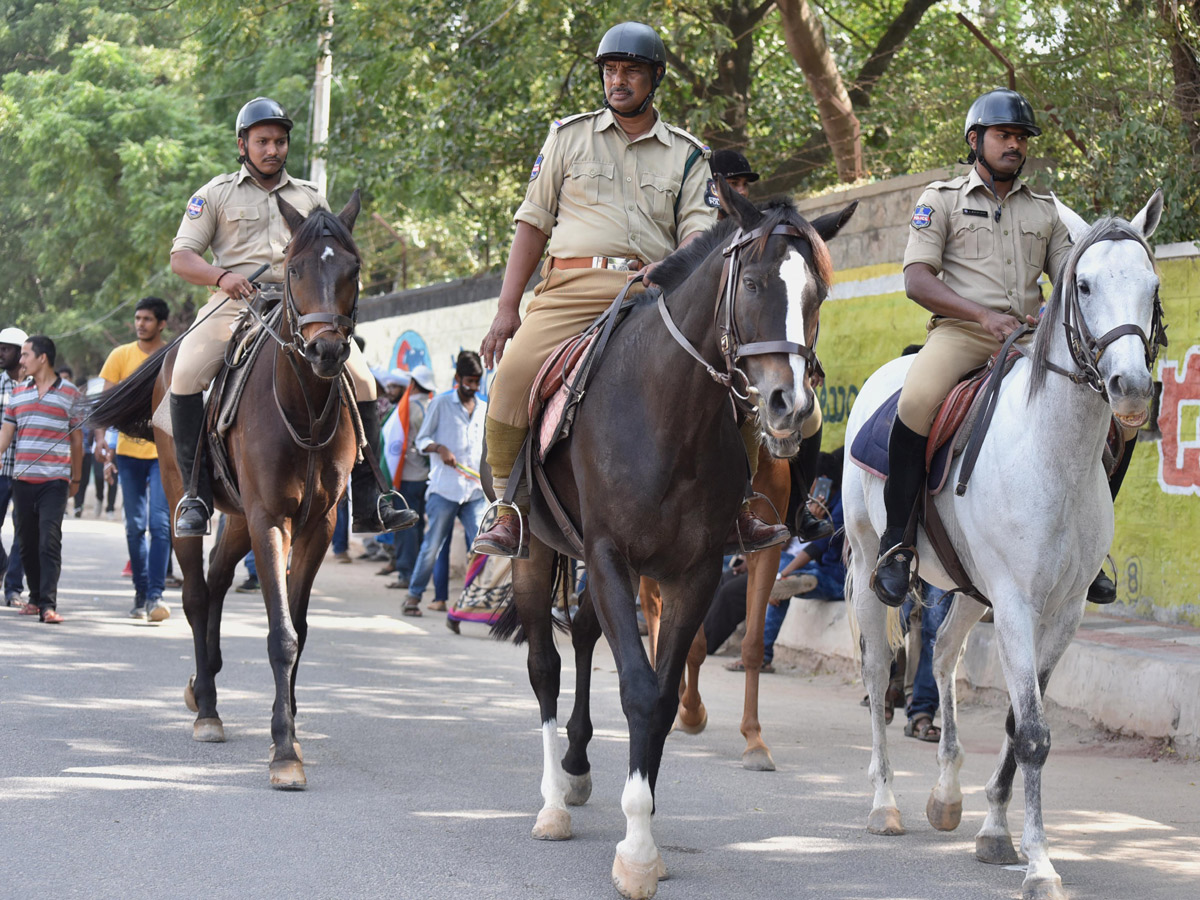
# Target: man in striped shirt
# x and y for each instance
(41, 419)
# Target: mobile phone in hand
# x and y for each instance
(822, 488)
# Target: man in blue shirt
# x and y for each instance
(452, 436)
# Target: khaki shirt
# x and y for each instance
(238, 219)
(597, 193)
(993, 263)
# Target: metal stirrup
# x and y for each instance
(493, 511)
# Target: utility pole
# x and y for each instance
(321, 86)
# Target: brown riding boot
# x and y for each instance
(751, 533)
(504, 538)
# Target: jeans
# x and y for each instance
(408, 542)
(40, 508)
(442, 513)
(85, 477)
(441, 571)
(251, 568)
(341, 528)
(146, 509)
(10, 562)
(935, 605)
(830, 586)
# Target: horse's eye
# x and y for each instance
(750, 285)
(1084, 287)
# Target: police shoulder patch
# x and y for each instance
(195, 207)
(922, 216)
(710, 195)
(537, 168)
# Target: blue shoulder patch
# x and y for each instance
(922, 216)
(710, 195)
(537, 168)
(195, 207)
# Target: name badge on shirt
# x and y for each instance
(982, 213)
(922, 216)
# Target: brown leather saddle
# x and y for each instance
(551, 410)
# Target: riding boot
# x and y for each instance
(1102, 590)
(906, 473)
(749, 532)
(807, 526)
(373, 513)
(187, 422)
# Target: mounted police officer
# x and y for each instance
(612, 192)
(237, 218)
(977, 245)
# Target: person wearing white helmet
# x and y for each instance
(11, 339)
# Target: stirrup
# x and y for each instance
(383, 496)
(188, 498)
(914, 567)
(488, 519)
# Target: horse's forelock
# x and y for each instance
(312, 229)
(784, 212)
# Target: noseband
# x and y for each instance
(732, 348)
(1086, 350)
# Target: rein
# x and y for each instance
(732, 348)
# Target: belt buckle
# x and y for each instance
(618, 263)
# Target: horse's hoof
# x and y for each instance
(691, 722)
(995, 849)
(208, 731)
(943, 816)
(885, 820)
(1043, 889)
(580, 789)
(552, 825)
(295, 747)
(635, 880)
(662, 869)
(288, 775)
(189, 695)
(758, 759)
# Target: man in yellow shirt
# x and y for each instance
(136, 464)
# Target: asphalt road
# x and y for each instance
(423, 757)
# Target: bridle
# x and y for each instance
(1086, 350)
(732, 348)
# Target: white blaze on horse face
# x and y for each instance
(328, 254)
(796, 276)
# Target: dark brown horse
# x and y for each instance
(288, 477)
(653, 475)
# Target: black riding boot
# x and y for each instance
(906, 472)
(807, 526)
(1103, 590)
(187, 423)
(373, 514)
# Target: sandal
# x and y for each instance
(922, 728)
(412, 609)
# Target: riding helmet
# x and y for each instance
(730, 163)
(1001, 107)
(633, 41)
(258, 111)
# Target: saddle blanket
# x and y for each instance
(870, 448)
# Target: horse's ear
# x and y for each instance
(1147, 220)
(736, 206)
(350, 211)
(1076, 227)
(831, 223)
(290, 214)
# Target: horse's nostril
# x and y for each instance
(780, 402)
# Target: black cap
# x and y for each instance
(258, 111)
(635, 41)
(1001, 107)
(730, 163)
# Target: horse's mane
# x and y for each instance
(1064, 291)
(314, 227)
(675, 269)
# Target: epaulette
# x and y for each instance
(688, 136)
(953, 183)
(1048, 198)
(223, 178)
(309, 185)
(578, 117)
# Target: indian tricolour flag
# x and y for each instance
(393, 438)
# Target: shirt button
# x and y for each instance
(631, 207)
(1009, 261)
(1006, 231)
(627, 178)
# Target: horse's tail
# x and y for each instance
(129, 407)
(508, 625)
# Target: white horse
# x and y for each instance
(1032, 530)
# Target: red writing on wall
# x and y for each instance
(1179, 454)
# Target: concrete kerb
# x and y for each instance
(1121, 675)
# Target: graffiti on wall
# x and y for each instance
(410, 351)
(1179, 422)
(836, 400)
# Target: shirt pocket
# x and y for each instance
(246, 220)
(1035, 238)
(970, 237)
(589, 182)
(660, 192)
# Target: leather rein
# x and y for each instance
(732, 348)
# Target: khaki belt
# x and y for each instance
(618, 263)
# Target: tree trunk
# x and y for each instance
(1182, 18)
(805, 39)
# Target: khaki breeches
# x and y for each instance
(565, 302)
(202, 352)
(952, 349)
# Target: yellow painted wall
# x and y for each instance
(1157, 544)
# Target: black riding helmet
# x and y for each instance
(999, 107)
(258, 111)
(633, 41)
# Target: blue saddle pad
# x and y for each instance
(870, 448)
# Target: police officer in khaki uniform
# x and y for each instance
(612, 191)
(237, 218)
(977, 245)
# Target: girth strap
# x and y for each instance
(990, 397)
